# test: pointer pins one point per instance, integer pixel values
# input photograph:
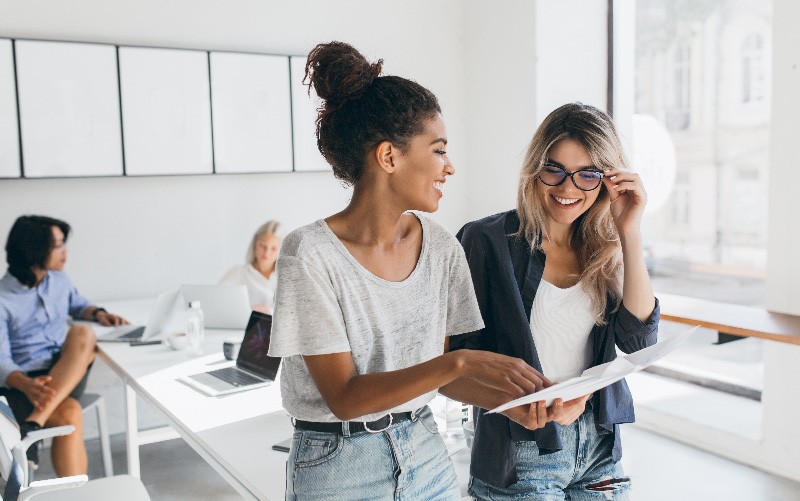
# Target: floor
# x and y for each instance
(661, 469)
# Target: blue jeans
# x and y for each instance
(582, 471)
(407, 461)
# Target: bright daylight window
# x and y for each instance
(702, 76)
(700, 124)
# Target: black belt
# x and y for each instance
(355, 426)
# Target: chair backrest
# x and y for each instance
(9, 438)
(10, 469)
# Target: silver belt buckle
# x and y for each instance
(391, 420)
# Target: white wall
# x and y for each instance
(500, 71)
(134, 237)
(137, 236)
(571, 59)
(781, 434)
(522, 60)
(481, 59)
(783, 266)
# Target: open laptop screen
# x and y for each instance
(253, 353)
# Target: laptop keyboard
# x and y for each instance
(134, 334)
(235, 376)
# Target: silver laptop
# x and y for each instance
(224, 306)
(253, 368)
(167, 314)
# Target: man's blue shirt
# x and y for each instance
(33, 321)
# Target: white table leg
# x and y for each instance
(132, 432)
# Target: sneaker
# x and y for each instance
(33, 451)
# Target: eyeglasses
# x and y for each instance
(586, 179)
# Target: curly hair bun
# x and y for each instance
(339, 73)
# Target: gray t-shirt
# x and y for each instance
(326, 302)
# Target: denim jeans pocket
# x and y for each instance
(316, 448)
(426, 418)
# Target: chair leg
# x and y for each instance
(105, 445)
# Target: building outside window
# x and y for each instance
(702, 70)
(753, 68)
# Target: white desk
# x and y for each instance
(233, 433)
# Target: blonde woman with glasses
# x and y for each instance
(561, 283)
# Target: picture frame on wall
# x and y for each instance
(252, 116)
(304, 117)
(68, 109)
(9, 129)
(166, 111)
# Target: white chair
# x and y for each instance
(93, 401)
(14, 469)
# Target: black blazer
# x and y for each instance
(506, 274)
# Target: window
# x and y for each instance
(680, 200)
(701, 70)
(753, 68)
(681, 88)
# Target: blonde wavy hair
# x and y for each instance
(594, 236)
(268, 228)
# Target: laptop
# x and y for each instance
(224, 306)
(168, 314)
(253, 368)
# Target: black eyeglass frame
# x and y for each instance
(571, 176)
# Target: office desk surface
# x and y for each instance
(234, 433)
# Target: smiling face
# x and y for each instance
(58, 252)
(564, 203)
(422, 169)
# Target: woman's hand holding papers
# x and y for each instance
(536, 415)
(531, 416)
(565, 413)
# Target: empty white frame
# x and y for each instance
(166, 111)
(69, 109)
(304, 115)
(252, 118)
(9, 133)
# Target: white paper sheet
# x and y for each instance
(603, 375)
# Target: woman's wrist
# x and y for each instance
(458, 363)
(632, 240)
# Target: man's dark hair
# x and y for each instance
(29, 244)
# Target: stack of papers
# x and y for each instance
(603, 375)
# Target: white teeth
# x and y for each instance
(438, 185)
(565, 201)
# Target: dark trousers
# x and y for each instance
(22, 407)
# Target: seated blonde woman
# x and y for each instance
(258, 274)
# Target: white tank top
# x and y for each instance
(561, 322)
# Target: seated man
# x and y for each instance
(44, 362)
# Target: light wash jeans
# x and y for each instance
(582, 471)
(407, 461)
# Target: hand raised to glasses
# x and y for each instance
(627, 197)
